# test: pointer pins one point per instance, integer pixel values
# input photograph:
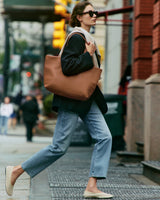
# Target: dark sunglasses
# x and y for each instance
(91, 13)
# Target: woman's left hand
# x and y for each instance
(91, 48)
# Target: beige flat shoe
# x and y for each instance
(100, 195)
(9, 186)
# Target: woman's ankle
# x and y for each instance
(17, 171)
(92, 185)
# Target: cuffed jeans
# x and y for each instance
(65, 127)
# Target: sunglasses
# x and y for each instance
(91, 13)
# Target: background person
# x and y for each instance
(122, 90)
(39, 99)
(75, 60)
(6, 109)
(13, 117)
(18, 101)
(30, 113)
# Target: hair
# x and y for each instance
(78, 10)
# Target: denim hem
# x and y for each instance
(98, 177)
(28, 172)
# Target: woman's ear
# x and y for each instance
(79, 18)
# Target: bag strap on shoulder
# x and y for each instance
(76, 33)
(68, 38)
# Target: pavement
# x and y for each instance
(67, 177)
(13, 151)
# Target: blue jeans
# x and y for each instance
(4, 124)
(65, 127)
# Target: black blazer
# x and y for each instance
(30, 111)
(74, 61)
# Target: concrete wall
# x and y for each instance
(152, 118)
(135, 114)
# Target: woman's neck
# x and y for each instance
(87, 28)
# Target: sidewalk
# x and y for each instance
(14, 150)
(67, 178)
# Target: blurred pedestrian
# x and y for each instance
(13, 118)
(18, 102)
(39, 99)
(77, 57)
(122, 90)
(6, 109)
(30, 113)
(123, 85)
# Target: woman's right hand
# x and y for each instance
(91, 48)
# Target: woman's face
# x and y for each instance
(85, 19)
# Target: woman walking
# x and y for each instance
(76, 56)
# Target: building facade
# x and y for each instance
(143, 116)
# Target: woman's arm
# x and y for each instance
(73, 59)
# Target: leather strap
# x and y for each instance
(77, 33)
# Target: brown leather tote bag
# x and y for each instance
(79, 87)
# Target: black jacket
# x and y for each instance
(30, 111)
(75, 61)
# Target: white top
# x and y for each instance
(6, 109)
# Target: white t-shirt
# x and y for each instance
(6, 109)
